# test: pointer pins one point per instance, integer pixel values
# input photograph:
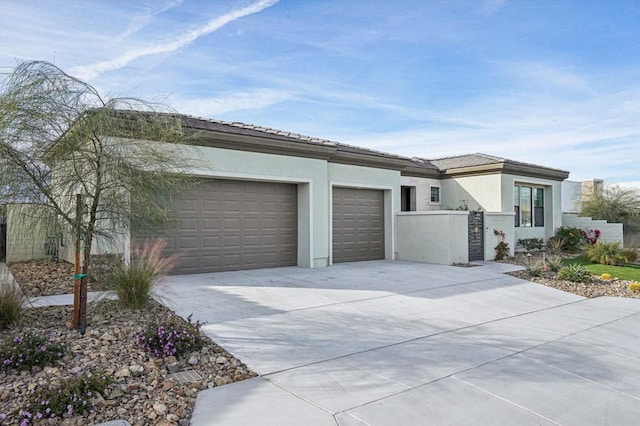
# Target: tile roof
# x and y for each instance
(406, 164)
(479, 159)
(239, 128)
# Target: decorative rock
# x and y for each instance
(149, 366)
(110, 348)
(108, 337)
(132, 388)
(123, 372)
(160, 409)
(174, 367)
(115, 393)
(136, 369)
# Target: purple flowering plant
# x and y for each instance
(172, 335)
(66, 398)
(28, 350)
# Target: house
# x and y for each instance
(271, 198)
(522, 200)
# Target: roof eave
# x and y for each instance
(508, 168)
(279, 146)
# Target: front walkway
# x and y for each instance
(55, 300)
(394, 343)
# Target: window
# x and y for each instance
(528, 204)
(516, 204)
(538, 206)
(435, 194)
(407, 198)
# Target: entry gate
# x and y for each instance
(476, 235)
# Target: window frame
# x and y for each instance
(535, 203)
(439, 193)
(407, 198)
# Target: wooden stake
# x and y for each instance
(76, 269)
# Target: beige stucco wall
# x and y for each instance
(501, 221)
(423, 192)
(24, 242)
(478, 192)
(433, 237)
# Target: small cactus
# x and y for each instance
(634, 286)
(605, 276)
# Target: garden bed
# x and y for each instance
(145, 388)
(596, 287)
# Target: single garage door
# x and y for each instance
(228, 225)
(358, 224)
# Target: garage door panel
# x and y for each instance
(358, 224)
(232, 225)
(186, 243)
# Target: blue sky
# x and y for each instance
(552, 82)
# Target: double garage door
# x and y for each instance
(227, 225)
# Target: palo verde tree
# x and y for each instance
(59, 138)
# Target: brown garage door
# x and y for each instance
(228, 225)
(358, 224)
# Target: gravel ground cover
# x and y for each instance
(595, 288)
(146, 390)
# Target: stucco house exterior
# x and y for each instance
(272, 198)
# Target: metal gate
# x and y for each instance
(476, 235)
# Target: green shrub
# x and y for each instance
(576, 273)
(28, 350)
(172, 335)
(12, 300)
(535, 269)
(556, 244)
(531, 243)
(502, 249)
(65, 398)
(605, 254)
(134, 282)
(572, 237)
(103, 266)
(554, 262)
(630, 255)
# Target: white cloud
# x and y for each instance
(549, 75)
(89, 72)
(141, 20)
(235, 101)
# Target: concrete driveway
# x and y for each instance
(394, 343)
